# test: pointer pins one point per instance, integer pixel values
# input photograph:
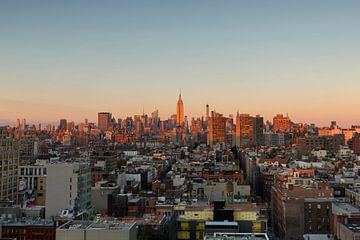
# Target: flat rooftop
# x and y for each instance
(28, 222)
(221, 223)
(100, 225)
(237, 236)
(353, 227)
(348, 207)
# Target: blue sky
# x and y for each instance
(74, 58)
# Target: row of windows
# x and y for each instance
(32, 171)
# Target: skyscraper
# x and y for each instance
(104, 119)
(179, 112)
(24, 124)
(244, 129)
(9, 164)
(18, 123)
(63, 124)
(207, 113)
(249, 130)
(217, 125)
(281, 123)
(258, 124)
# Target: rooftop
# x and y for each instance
(221, 223)
(103, 224)
(353, 227)
(348, 207)
(237, 236)
(28, 222)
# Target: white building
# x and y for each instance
(106, 230)
(68, 187)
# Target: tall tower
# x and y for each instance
(244, 129)
(217, 126)
(104, 119)
(180, 112)
(63, 124)
(207, 112)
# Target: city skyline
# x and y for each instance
(177, 111)
(72, 60)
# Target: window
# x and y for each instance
(318, 206)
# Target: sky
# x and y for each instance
(72, 59)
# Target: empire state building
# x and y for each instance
(180, 112)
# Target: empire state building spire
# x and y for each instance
(179, 112)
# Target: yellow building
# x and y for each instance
(191, 224)
(191, 221)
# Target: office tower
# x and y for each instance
(70, 126)
(259, 139)
(155, 114)
(9, 164)
(217, 125)
(104, 119)
(18, 123)
(63, 124)
(24, 125)
(68, 186)
(179, 112)
(207, 113)
(18, 130)
(281, 123)
(244, 129)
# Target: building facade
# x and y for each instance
(9, 163)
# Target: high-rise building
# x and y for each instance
(217, 126)
(155, 114)
(63, 124)
(207, 113)
(70, 126)
(249, 130)
(104, 119)
(281, 123)
(9, 164)
(18, 123)
(259, 139)
(244, 129)
(179, 112)
(24, 125)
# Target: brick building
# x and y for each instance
(299, 210)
